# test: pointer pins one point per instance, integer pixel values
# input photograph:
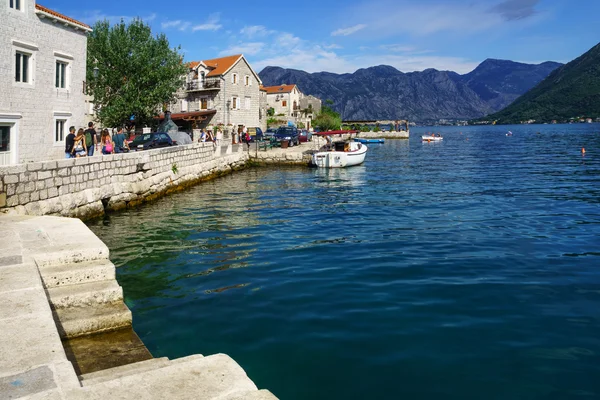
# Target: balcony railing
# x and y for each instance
(198, 84)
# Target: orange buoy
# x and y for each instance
(583, 150)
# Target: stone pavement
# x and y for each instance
(33, 362)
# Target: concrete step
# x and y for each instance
(77, 321)
(212, 377)
(74, 274)
(251, 395)
(94, 378)
(85, 294)
(182, 360)
(131, 369)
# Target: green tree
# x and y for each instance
(270, 111)
(136, 72)
(328, 119)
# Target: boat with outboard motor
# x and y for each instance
(341, 153)
(370, 141)
(432, 138)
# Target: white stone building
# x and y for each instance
(284, 99)
(222, 91)
(290, 103)
(42, 73)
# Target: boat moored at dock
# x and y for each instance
(339, 154)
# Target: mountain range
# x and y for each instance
(571, 91)
(383, 92)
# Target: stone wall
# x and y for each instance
(85, 187)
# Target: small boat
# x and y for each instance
(509, 133)
(431, 138)
(363, 140)
(339, 154)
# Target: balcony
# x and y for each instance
(197, 85)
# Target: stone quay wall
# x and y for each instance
(86, 187)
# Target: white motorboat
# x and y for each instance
(431, 138)
(339, 154)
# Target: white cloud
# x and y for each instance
(388, 18)
(255, 31)
(247, 49)
(317, 59)
(332, 46)
(348, 31)
(179, 24)
(212, 24)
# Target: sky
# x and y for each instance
(341, 37)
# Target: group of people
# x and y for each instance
(85, 142)
(241, 135)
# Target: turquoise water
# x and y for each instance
(467, 269)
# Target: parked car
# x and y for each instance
(255, 134)
(150, 141)
(305, 136)
(288, 133)
(269, 133)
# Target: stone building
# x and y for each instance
(289, 102)
(284, 99)
(222, 91)
(43, 66)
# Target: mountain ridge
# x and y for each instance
(571, 91)
(384, 92)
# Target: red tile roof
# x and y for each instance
(279, 89)
(219, 66)
(63, 17)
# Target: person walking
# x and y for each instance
(246, 136)
(91, 141)
(70, 143)
(118, 140)
(107, 143)
(79, 148)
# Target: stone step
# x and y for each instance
(77, 321)
(181, 360)
(85, 294)
(94, 378)
(74, 274)
(135, 368)
(212, 377)
(251, 395)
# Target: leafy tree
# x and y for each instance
(270, 111)
(136, 72)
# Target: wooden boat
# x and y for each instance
(363, 140)
(431, 138)
(339, 154)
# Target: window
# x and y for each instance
(184, 105)
(247, 81)
(22, 67)
(204, 103)
(247, 102)
(4, 139)
(59, 130)
(61, 75)
(234, 79)
(16, 4)
(284, 103)
(234, 103)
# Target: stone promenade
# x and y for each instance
(33, 362)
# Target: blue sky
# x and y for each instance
(334, 36)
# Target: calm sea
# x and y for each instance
(466, 269)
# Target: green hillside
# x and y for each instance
(570, 91)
